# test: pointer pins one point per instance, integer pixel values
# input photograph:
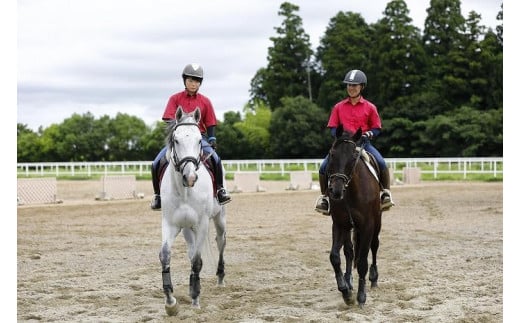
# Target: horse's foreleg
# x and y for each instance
(348, 250)
(220, 228)
(171, 303)
(168, 235)
(196, 267)
(335, 260)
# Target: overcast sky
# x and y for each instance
(127, 56)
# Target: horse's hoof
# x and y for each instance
(221, 282)
(349, 300)
(361, 299)
(172, 309)
(195, 303)
(373, 285)
(347, 296)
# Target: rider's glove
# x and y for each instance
(369, 134)
(213, 142)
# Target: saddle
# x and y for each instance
(371, 163)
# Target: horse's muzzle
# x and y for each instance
(336, 192)
(190, 179)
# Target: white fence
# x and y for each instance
(434, 166)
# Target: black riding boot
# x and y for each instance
(322, 203)
(386, 196)
(156, 200)
(222, 195)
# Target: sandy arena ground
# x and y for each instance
(440, 259)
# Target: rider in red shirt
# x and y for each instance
(189, 102)
(353, 113)
(189, 99)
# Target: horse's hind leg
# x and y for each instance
(362, 265)
(373, 273)
(220, 228)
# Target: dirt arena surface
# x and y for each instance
(440, 259)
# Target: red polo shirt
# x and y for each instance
(188, 104)
(362, 114)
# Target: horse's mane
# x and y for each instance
(170, 128)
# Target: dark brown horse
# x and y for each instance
(355, 206)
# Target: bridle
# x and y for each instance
(181, 164)
(343, 176)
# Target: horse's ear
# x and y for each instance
(196, 114)
(358, 134)
(179, 113)
(339, 131)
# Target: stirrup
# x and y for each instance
(386, 200)
(223, 197)
(320, 201)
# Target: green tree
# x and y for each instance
(464, 132)
(28, 144)
(444, 44)
(231, 142)
(490, 88)
(298, 130)
(153, 140)
(398, 58)
(82, 139)
(288, 61)
(398, 138)
(345, 46)
(500, 27)
(255, 129)
(125, 138)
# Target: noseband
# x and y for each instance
(347, 178)
(181, 164)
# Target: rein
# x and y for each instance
(181, 164)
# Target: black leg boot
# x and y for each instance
(156, 200)
(222, 195)
(322, 203)
(386, 196)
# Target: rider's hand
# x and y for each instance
(213, 143)
(369, 134)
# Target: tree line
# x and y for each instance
(438, 92)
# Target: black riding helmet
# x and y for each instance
(356, 77)
(194, 71)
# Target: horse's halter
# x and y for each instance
(181, 164)
(347, 178)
